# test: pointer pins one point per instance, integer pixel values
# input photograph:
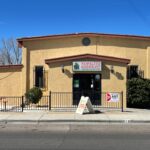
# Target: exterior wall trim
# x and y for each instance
(11, 66)
(90, 56)
(20, 40)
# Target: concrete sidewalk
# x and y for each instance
(111, 116)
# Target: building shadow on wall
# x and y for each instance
(106, 73)
(68, 73)
(119, 75)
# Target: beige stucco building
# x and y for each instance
(78, 63)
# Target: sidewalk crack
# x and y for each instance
(38, 121)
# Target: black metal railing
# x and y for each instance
(11, 103)
(43, 104)
(62, 100)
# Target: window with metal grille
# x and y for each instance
(132, 71)
(39, 76)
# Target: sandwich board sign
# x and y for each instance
(83, 104)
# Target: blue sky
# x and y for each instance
(19, 18)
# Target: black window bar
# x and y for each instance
(39, 77)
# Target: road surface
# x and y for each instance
(75, 137)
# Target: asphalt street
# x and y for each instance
(75, 137)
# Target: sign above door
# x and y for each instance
(82, 66)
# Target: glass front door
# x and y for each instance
(87, 85)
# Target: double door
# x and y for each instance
(87, 85)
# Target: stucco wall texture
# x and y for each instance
(34, 53)
(10, 82)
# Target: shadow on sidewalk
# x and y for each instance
(95, 112)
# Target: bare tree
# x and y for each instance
(10, 53)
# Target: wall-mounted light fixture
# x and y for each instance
(62, 68)
(112, 69)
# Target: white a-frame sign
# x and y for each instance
(83, 104)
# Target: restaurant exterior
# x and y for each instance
(89, 64)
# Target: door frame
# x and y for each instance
(95, 92)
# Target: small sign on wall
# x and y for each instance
(112, 97)
(87, 66)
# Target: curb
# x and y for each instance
(71, 121)
(139, 121)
